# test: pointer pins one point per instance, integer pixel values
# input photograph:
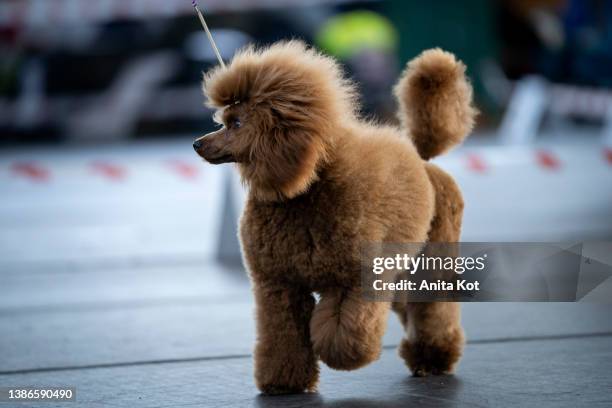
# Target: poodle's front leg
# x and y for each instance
(284, 360)
(347, 330)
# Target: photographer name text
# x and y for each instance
(449, 265)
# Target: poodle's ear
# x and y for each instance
(285, 163)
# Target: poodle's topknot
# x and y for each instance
(435, 102)
(288, 74)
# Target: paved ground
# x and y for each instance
(108, 283)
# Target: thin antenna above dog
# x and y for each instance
(210, 37)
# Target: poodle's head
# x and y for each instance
(278, 108)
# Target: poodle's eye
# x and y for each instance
(236, 123)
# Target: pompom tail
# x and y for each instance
(435, 101)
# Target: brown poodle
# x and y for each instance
(322, 182)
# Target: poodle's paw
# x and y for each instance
(277, 374)
(282, 386)
(424, 358)
(347, 335)
(282, 389)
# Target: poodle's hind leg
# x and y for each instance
(347, 330)
(284, 360)
(434, 339)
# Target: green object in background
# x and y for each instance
(465, 28)
(347, 34)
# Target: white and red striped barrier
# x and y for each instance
(476, 161)
(160, 201)
(41, 172)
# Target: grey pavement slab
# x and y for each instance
(103, 316)
(47, 290)
(196, 327)
(571, 372)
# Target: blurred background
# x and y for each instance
(113, 231)
(99, 103)
(78, 78)
(77, 71)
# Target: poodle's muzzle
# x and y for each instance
(211, 148)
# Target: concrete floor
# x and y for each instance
(108, 283)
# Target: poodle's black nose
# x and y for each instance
(197, 144)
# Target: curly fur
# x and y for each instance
(322, 182)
